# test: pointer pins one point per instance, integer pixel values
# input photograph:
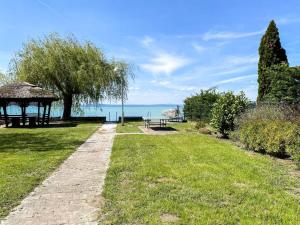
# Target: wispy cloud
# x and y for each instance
(287, 20)
(240, 60)
(223, 35)
(170, 85)
(227, 65)
(165, 63)
(236, 79)
(50, 8)
(199, 48)
(147, 41)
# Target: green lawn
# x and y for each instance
(191, 178)
(184, 127)
(27, 156)
(130, 127)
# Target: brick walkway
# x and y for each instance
(72, 194)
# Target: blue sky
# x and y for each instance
(177, 46)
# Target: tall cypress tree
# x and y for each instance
(270, 53)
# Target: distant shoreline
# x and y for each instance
(130, 105)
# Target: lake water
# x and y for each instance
(110, 111)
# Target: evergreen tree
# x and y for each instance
(270, 53)
(285, 84)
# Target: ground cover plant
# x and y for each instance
(27, 156)
(189, 178)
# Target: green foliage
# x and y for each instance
(77, 72)
(2, 78)
(199, 106)
(200, 124)
(226, 109)
(267, 111)
(270, 53)
(271, 129)
(284, 84)
(277, 137)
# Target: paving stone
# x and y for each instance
(70, 195)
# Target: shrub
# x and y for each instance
(234, 135)
(205, 130)
(267, 111)
(200, 124)
(226, 109)
(275, 137)
(198, 107)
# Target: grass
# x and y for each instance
(184, 127)
(191, 178)
(27, 156)
(133, 127)
(130, 127)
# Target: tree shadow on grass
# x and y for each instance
(17, 142)
(163, 129)
(51, 125)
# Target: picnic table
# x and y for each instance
(155, 122)
(16, 120)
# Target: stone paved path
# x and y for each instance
(72, 194)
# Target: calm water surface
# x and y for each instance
(110, 111)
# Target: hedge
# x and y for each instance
(275, 137)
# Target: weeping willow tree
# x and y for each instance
(2, 78)
(77, 72)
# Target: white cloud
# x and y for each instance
(147, 41)
(165, 63)
(235, 79)
(168, 84)
(164, 83)
(287, 20)
(199, 48)
(241, 60)
(223, 35)
(227, 65)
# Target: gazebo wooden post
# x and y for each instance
(49, 109)
(44, 114)
(23, 108)
(38, 119)
(5, 114)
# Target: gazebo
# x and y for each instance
(23, 94)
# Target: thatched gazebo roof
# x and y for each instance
(25, 91)
(24, 94)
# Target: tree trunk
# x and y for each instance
(67, 107)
